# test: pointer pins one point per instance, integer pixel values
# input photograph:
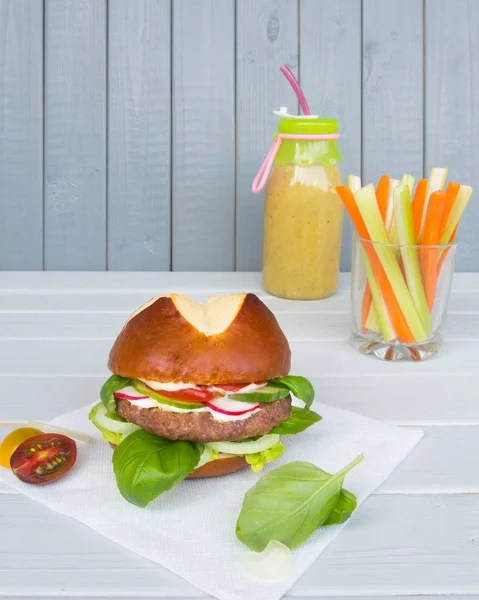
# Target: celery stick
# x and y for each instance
(368, 207)
(392, 229)
(458, 207)
(372, 321)
(410, 183)
(390, 211)
(437, 179)
(354, 183)
(436, 182)
(405, 228)
(384, 322)
(373, 318)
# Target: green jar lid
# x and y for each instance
(306, 153)
(308, 126)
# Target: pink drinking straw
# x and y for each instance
(296, 87)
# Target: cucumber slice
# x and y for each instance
(239, 448)
(99, 417)
(267, 394)
(143, 389)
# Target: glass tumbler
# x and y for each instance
(399, 298)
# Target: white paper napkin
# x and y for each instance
(191, 529)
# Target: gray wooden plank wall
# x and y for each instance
(130, 131)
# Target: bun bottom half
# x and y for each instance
(216, 468)
(219, 467)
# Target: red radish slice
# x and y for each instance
(226, 406)
(230, 412)
(122, 396)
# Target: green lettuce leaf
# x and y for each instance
(259, 459)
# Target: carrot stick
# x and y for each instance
(382, 195)
(451, 223)
(463, 197)
(431, 237)
(397, 318)
(452, 191)
(414, 354)
(418, 205)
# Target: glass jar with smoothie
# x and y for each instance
(303, 213)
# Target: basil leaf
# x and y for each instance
(344, 508)
(300, 419)
(288, 504)
(146, 465)
(112, 385)
(301, 387)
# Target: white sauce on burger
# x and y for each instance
(232, 404)
(173, 386)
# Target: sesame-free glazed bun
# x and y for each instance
(231, 339)
(218, 467)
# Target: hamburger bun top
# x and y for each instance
(230, 339)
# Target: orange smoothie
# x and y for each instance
(302, 231)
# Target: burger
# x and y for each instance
(198, 390)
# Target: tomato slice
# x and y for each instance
(236, 387)
(204, 393)
(44, 458)
(191, 394)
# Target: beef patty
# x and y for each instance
(201, 426)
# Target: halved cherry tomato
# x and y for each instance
(44, 458)
(190, 394)
(11, 442)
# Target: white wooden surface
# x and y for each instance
(418, 535)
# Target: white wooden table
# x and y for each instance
(418, 535)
